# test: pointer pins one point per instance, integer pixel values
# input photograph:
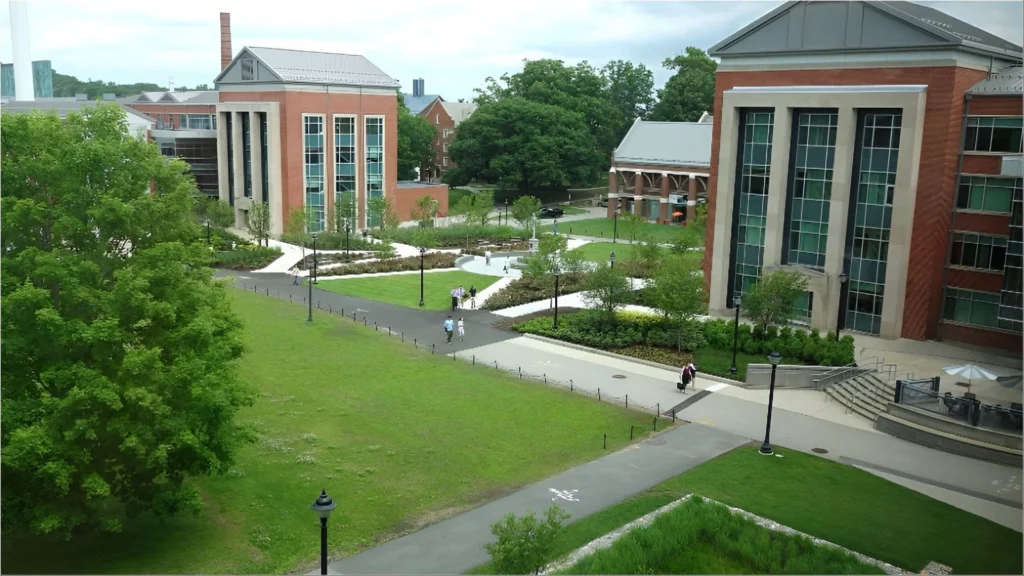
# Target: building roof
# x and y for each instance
(666, 143)
(417, 104)
(417, 184)
(859, 26)
(304, 67)
(64, 106)
(168, 97)
(1009, 81)
(459, 111)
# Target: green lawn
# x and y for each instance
(842, 504)
(604, 227)
(398, 437)
(404, 289)
(600, 251)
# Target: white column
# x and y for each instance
(223, 185)
(21, 51)
(826, 310)
(778, 184)
(238, 157)
(256, 152)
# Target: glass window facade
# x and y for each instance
(978, 251)
(345, 165)
(198, 121)
(374, 132)
(993, 135)
(313, 161)
(750, 214)
(810, 187)
(264, 156)
(876, 158)
(1011, 302)
(247, 152)
(971, 307)
(987, 194)
(803, 307)
(231, 158)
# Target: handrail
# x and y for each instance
(844, 370)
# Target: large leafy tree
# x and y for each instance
(770, 301)
(630, 89)
(119, 349)
(415, 135)
(519, 143)
(690, 91)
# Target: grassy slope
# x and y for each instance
(404, 289)
(399, 438)
(604, 228)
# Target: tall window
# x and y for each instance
(247, 150)
(1011, 300)
(987, 194)
(374, 132)
(978, 251)
(751, 210)
(264, 155)
(868, 245)
(810, 188)
(231, 158)
(971, 307)
(313, 160)
(345, 166)
(803, 307)
(993, 135)
(198, 121)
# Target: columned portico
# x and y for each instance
(274, 194)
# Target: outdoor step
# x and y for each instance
(870, 392)
(862, 393)
(852, 401)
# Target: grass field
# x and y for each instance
(398, 437)
(604, 228)
(600, 251)
(404, 289)
(841, 504)
(702, 537)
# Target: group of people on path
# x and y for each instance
(450, 325)
(459, 295)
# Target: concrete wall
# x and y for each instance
(759, 376)
(951, 426)
(912, 432)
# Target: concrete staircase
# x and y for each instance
(865, 394)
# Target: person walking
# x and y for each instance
(295, 275)
(693, 374)
(462, 330)
(472, 297)
(455, 299)
(462, 295)
(684, 379)
(448, 325)
(487, 257)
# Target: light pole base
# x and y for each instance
(732, 369)
(766, 449)
(421, 303)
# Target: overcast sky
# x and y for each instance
(453, 44)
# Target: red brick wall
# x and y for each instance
(975, 280)
(439, 119)
(937, 170)
(996, 105)
(981, 164)
(405, 199)
(173, 112)
(997, 224)
(982, 337)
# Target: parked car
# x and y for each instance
(551, 212)
(602, 203)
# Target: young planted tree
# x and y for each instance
(344, 211)
(631, 223)
(296, 228)
(770, 301)
(220, 214)
(376, 207)
(524, 209)
(677, 289)
(606, 289)
(425, 211)
(483, 205)
(119, 354)
(645, 257)
(524, 544)
(258, 222)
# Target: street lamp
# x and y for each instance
(735, 332)
(423, 252)
(839, 315)
(506, 212)
(556, 272)
(347, 228)
(315, 271)
(309, 281)
(611, 260)
(323, 506)
(766, 448)
(615, 225)
(207, 230)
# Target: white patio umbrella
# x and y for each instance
(969, 371)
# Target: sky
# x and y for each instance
(453, 44)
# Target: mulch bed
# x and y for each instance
(506, 323)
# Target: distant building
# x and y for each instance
(418, 100)
(138, 124)
(42, 74)
(445, 116)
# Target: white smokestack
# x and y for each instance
(24, 86)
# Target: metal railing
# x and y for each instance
(841, 373)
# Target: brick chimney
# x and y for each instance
(225, 40)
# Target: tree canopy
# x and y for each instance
(119, 377)
(690, 91)
(415, 135)
(630, 89)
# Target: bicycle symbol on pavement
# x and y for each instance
(569, 495)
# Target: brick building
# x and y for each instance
(445, 116)
(659, 170)
(875, 147)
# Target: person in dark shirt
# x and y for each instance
(472, 297)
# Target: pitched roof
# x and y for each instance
(459, 111)
(667, 143)
(1009, 81)
(417, 104)
(840, 27)
(187, 97)
(65, 106)
(320, 67)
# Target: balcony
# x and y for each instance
(166, 134)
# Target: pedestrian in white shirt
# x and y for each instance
(462, 330)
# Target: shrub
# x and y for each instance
(430, 261)
(456, 236)
(526, 290)
(329, 241)
(524, 543)
(660, 355)
(245, 257)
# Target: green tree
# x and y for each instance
(645, 257)
(415, 142)
(258, 222)
(119, 348)
(524, 544)
(296, 228)
(630, 89)
(606, 289)
(769, 302)
(677, 289)
(220, 214)
(524, 210)
(690, 91)
(376, 207)
(67, 86)
(475, 208)
(632, 222)
(344, 211)
(519, 143)
(425, 211)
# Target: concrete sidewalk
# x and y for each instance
(456, 545)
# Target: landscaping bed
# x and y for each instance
(456, 236)
(431, 261)
(245, 257)
(330, 241)
(333, 258)
(404, 289)
(526, 289)
(702, 537)
(493, 249)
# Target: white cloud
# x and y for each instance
(454, 44)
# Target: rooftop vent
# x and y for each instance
(81, 97)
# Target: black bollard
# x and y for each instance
(627, 401)
(630, 432)
(655, 423)
(605, 444)
(570, 386)
(431, 349)
(474, 359)
(598, 394)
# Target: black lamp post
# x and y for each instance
(611, 260)
(423, 252)
(207, 230)
(315, 271)
(366, 232)
(556, 272)
(323, 506)
(615, 224)
(839, 315)
(506, 212)
(347, 228)
(735, 332)
(766, 448)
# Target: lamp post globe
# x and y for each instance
(323, 506)
(839, 314)
(766, 448)
(736, 301)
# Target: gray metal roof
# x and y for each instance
(63, 106)
(322, 67)
(667, 143)
(459, 111)
(417, 104)
(858, 26)
(1009, 81)
(187, 97)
